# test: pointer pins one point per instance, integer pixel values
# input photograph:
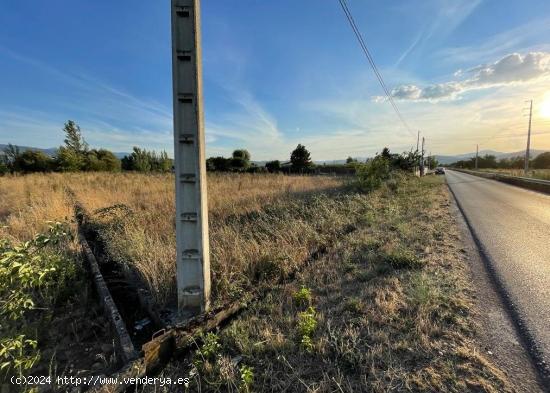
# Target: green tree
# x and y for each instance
(3, 164)
(218, 164)
(72, 156)
(386, 153)
(34, 161)
(542, 161)
(10, 156)
(67, 160)
(273, 166)
(432, 162)
(350, 160)
(102, 161)
(161, 162)
(240, 159)
(300, 158)
(73, 138)
(139, 160)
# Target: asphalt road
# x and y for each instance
(512, 226)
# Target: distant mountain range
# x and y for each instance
(450, 159)
(51, 151)
(444, 159)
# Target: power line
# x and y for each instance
(363, 45)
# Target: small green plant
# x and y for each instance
(353, 305)
(307, 323)
(247, 377)
(302, 297)
(403, 260)
(18, 354)
(32, 271)
(33, 276)
(210, 347)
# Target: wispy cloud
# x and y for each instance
(448, 16)
(519, 37)
(510, 69)
(109, 116)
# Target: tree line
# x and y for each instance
(299, 162)
(76, 156)
(489, 161)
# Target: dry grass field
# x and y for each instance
(258, 223)
(382, 303)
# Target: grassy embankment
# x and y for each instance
(387, 308)
(543, 174)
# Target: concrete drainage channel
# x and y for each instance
(158, 337)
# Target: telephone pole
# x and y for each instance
(528, 138)
(477, 154)
(193, 256)
(417, 140)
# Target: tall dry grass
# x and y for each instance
(261, 226)
(28, 202)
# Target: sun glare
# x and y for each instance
(545, 106)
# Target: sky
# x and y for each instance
(279, 73)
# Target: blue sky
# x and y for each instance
(279, 73)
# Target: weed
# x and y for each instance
(34, 275)
(247, 377)
(353, 305)
(18, 354)
(210, 347)
(307, 323)
(402, 259)
(302, 297)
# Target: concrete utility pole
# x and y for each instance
(193, 256)
(528, 138)
(477, 154)
(422, 159)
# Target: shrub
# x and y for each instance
(273, 166)
(542, 161)
(102, 161)
(33, 161)
(67, 160)
(141, 160)
(372, 174)
(33, 276)
(3, 166)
